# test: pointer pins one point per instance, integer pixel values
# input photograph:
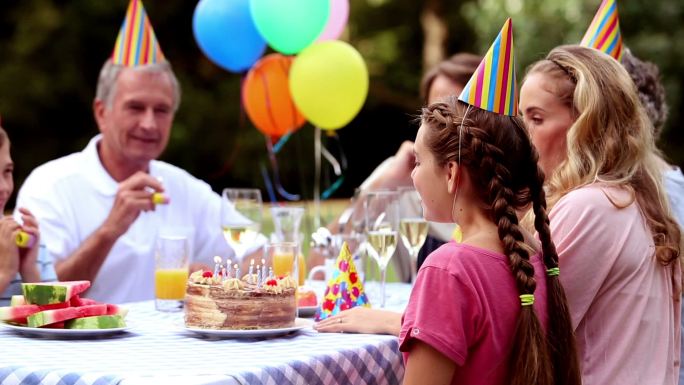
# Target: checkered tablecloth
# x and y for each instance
(158, 350)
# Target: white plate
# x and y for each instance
(63, 333)
(300, 323)
(307, 311)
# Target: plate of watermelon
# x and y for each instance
(55, 309)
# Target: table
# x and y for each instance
(158, 350)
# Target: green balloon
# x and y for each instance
(329, 83)
(289, 26)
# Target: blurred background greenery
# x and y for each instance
(52, 51)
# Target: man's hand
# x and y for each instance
(9, 252)
(28, 258)
(133, 196)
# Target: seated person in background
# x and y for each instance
(447, 78)
(96, 207)
(26, 264)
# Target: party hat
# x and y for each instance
(344, 290)
(604, 31)
(492, 86)
(136, 44)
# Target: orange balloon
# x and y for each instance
(266, 96)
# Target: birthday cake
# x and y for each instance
(253, 302)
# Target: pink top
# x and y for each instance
(465, 304)
(620, 298)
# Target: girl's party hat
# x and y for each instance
(493, 86)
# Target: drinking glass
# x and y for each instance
(171, 272)
(241, 215)
(286, 221)
(413, 228)
(382, 220)
(280, 256)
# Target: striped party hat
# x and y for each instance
(604, 31)
(136, 44)
(493, 86)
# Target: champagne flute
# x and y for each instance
(413, 228)
(382, 219)
(241, 215)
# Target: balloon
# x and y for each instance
(337, 20)
(329, 83)
(266, 96)
(290, 25)
(226, 33)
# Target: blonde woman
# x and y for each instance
(617, 242)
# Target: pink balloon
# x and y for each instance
(337, 20)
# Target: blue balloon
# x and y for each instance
(226, 33)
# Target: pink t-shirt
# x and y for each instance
(620, 298)
(465, 304)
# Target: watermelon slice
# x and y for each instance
(78, 301)
(96, 322)
(19, 313)
(45, 293)
(48, 317)
(17, 300)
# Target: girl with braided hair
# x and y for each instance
(480, 310)
(617, 242)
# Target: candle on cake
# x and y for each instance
(217, 265)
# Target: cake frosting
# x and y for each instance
(214, 302)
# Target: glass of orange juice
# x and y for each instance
(171, 272)
(280, 256)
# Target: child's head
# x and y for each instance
(7, 167)
(496, 157)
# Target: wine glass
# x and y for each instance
(413, 228)
(382, 219)
(241, 215)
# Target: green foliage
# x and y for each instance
(52, 52)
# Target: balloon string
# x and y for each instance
(281, 142)
(338, 167)
(331, 159)
(276, 174)
(317, 177)
(267, 182)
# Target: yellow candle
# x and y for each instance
(170, 283)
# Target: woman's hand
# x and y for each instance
(9, 252)
(362, 320)
(28, 258)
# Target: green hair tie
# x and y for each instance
(526, 299)
(553, 271)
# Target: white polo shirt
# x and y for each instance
(73, 195)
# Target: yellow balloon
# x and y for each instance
(329, 83)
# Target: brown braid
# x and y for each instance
(560, 336)
(508, 181)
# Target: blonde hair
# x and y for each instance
(611, 140)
